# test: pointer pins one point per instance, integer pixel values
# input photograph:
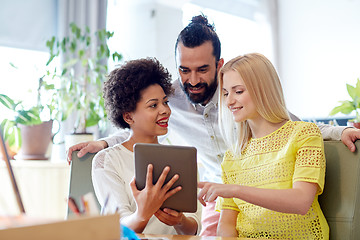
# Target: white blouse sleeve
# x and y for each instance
(108, 182)
(196, 216)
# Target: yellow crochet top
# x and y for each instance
(294, 152)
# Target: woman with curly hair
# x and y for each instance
(136, 97)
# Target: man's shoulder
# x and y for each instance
(178, 98)
(304, 125)
(178, 92)
(302, 128)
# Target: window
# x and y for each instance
(25, 27)
(238, 34)
(20, 70)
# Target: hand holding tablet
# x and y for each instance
(181, 160)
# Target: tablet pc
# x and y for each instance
(181, 160)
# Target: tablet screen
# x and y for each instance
(181, 160)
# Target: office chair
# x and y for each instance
(80, 179)
(340, 201)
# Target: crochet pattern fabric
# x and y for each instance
(292, 153)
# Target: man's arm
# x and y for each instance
(118, 137)
(328, 132)
(331, 132)
(348, 135)
(96, 146)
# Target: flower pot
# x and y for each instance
(35, 141)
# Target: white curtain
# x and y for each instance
(271, 13)
(91, 13)
(28, 24)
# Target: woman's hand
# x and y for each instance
(169, 217)
(150, 199)
(182, 224)
(210, 191)
(297, 199)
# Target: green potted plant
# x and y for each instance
(83, 72)
(29, 129)
(349, 106)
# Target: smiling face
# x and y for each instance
(237, 98)
(198, 71)
(151, 116)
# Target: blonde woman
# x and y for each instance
(274, 169)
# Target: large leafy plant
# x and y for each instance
(83, 71)
(9, 125)
(350, 106)
(15, 113)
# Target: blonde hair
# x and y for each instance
(263, 84)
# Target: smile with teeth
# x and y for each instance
(163, 122)
(195, 89)
(234, 109)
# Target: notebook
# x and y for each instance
(181, 160)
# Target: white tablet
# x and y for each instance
(181, 160)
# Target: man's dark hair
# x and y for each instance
(197, 32)
(122, 90)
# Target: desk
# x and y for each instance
(189, 237)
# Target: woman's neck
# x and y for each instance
(129, 144)
(261, 127)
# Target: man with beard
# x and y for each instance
(194, 106)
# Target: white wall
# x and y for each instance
(146, 28)
(319, 53)
(318, 45)
(134, 28)
(169, 25)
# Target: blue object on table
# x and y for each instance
(127, 233)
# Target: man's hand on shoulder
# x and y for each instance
(349, 136)
(86, 147)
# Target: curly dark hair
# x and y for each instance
(124, 85)
(198, 31)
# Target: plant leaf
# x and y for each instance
(346, 108)
(7, 102)
(351, 90)
(29, 117)
(70, 63)
(11, 133)
(357, 88)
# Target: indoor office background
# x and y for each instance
(313, 44)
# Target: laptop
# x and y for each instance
(5, 156)
(181, 160)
